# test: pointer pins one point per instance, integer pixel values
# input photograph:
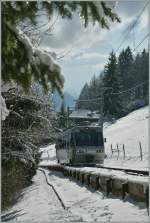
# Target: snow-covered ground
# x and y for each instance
(39, 203)
(91, 205)
(129, 130)
(48, 155)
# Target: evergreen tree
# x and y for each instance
(63, 115)
(112, 100)
(145, 72)
(21, 63)
(125, 62)
(84, 95)
(93, 93)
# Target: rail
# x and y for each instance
(127, 170)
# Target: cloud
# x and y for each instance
(98, 66)
(71, 34)
(130, 8)
(144, 21)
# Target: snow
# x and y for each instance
(46, 59)
(37, 56)
(92, 205)
(26, 42)
(129, 130)
(48, 155)
(4, 110)
(39, 203)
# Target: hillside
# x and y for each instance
(129, 130)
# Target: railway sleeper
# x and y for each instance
(94, 181)
(81, 177)
(138, 191)
(65, 172)
(77, 175)
(117, 186)
(87, 178)
(108, 186)
(125, 189)
(73, 173)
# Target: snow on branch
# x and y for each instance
(38, 57)
(4, 110)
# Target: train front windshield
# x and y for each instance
(88, 137)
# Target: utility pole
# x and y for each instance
(68, 112)
(102, 104)
(101, 107)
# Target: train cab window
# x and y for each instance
(89, 138)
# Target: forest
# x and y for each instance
(120, 88)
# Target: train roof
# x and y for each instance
(84, 114)
(71, 129)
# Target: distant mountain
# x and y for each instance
(68, 98)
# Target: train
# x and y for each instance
(81, 145)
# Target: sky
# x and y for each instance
(83, 52)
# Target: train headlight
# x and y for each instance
(80, 151)
(98, 151)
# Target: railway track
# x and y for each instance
(127, 170)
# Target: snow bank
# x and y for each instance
(129, 130)
(48, 156)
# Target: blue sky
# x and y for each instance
(86, 51)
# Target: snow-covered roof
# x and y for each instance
(84, 114)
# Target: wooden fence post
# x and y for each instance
(123, 152)
(48, 157)
(147, 199)
(141, 150)
(111, 150)
(118, 151)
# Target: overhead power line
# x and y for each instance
(132, 27)
(121, 92)
(141, 41)
(93, 99)
(131, 89)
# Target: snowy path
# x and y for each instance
(39, 203)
